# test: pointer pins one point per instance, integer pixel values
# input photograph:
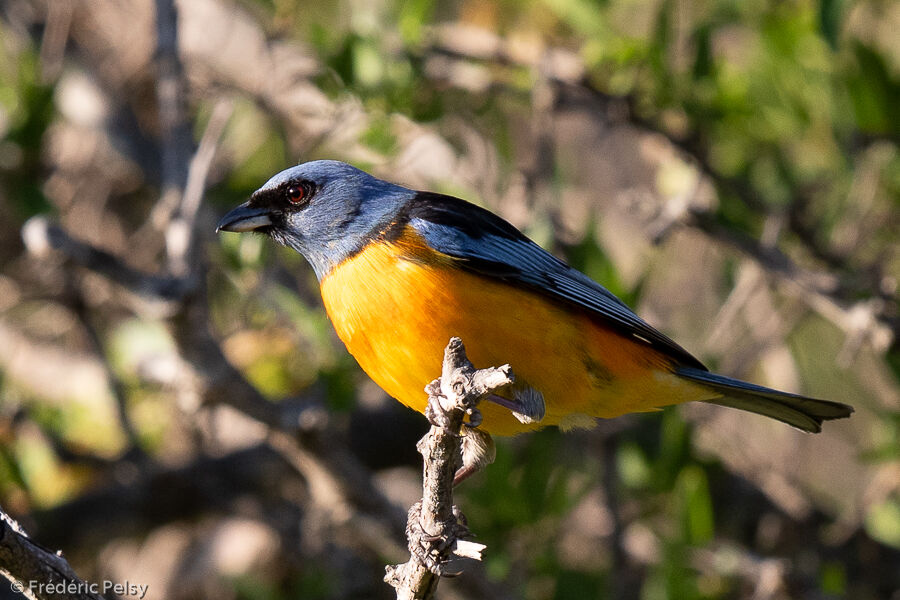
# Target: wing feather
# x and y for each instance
(486, 244)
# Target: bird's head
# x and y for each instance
(325, 209)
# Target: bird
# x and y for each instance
(402, 271)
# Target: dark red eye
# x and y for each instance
(296, 194)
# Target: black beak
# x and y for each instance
(244, 218)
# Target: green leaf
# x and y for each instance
(833, 579)
(697, 510)
(874, 93)
(414, 15)
(831, 13)
(883, 522)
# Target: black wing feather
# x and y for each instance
(485, 244)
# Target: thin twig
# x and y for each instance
(872, 322)
(862, 320)
(115, 384)
(180, 234)
(53, 43)
(216, 381)
(457, 393)
(41, 235)
(175, 134)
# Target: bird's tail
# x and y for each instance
(801, 412)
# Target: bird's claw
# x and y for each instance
(527, 404)
(475, 417)
(436, 414)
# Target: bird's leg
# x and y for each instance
(477, 446)
(527, 404)
(478, 451)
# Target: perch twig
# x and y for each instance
(435, 528)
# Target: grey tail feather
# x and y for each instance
(801, 412)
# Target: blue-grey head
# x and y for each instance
(325, 209)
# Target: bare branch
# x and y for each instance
(303, 443)
(434, 519)
(30, 567)
(874, 323)
(115, 384)
(180, 234)
(175, 134)
(863, 321)
(41, 236)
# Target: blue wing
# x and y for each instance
(486, 244)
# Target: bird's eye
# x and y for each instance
(296, 194)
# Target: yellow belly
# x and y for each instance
(396, 305)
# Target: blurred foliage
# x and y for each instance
(790, 110)
(27, 111)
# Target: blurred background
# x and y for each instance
(176, 411)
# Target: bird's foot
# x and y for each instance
(435, 412)
(478, 451)
(434, 550)
(527, 404)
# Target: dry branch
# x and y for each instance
(434, 526)
(310, 449)
(41, 236)
(34, 571)
(873, 321)
(328, 467)
(180, 236)
(176, 293)
(175, 134)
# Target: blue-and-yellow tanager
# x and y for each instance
(402, 271)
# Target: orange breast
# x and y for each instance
(395, 306)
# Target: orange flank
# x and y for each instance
(395, 305)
